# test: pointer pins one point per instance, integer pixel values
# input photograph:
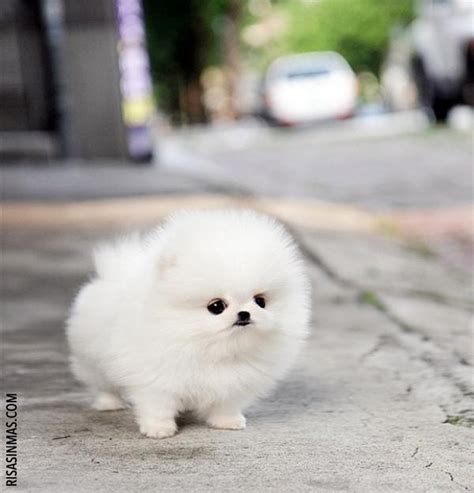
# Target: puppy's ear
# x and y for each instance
(166, 263)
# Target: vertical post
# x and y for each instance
(90, 65)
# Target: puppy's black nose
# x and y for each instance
(243, 316)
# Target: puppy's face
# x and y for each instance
(219, 303)
(238, 313)
(232, 283)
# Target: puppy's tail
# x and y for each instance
(119, 260)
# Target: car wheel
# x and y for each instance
(438, 106)
(423, 85)
(441, 108)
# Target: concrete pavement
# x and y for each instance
(382, 398)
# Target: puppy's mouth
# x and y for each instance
(241, 323)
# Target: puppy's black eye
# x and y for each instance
(260, 300)
(216, 307)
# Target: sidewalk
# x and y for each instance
(382, 399)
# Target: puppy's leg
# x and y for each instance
(226, 416)
(105, 398)
(155, 413)
(108, 401)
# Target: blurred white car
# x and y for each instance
(304, 88)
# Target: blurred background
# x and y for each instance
(360, 102)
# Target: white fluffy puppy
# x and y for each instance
(204, 315)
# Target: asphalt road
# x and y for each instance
(385, 163)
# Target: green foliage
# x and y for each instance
(358, 29)
(371, 298)
(178, 29)
(182, 39)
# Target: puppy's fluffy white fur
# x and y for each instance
(141, 332)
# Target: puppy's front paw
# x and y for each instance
(236, 422)
(158, 429)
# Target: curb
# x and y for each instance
(417, 227)
(144, 210)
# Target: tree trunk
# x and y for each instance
(231, 52)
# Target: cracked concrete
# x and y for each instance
(381, 400)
